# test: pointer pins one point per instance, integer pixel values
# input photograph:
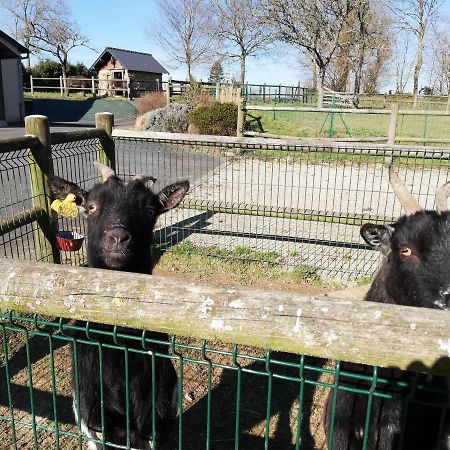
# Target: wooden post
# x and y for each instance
(448, 103)
(415, 101)
(93, 86)
(218, 91)
(241, 114)
(31, 85)
(169, 89)
(393, 123)
(61, 86)
(41, 167)
(106, 149)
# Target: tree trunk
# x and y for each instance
(314, 74)
(242, 75)
(359, 70)
(418, 66)
(64, 76)
(320, 82)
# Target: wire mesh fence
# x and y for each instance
(300, 206)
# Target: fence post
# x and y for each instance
(31, 85)
(93, 85)
(393, 123)
(218, 91)
(264, 93)
(448, 102)
(41, 167)
(106, 149)
(169, 89)
(415, 101)
(61, 86)
(241, 114)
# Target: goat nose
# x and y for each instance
(118, 238)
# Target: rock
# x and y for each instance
(173, 118)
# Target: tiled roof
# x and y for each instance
(137, 61)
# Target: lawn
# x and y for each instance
(317, 124)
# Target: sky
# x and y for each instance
(123, 24)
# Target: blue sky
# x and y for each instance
(122, 24)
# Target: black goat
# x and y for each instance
(415, 272)
(121, 218)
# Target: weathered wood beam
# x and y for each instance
(21, 219)
(371, 333)
(18, 143)
(63, 137)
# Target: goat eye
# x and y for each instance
(92, 207)
(405, 252)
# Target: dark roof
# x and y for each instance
(10, 48)
(137, 61)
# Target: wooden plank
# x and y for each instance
(363, 332)
(18, 143)
(21, 219)
(405, 112)
(285, 213)
(63, 137)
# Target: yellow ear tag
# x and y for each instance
(66, 207)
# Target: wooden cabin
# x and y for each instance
(127, 73)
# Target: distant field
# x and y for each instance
(307, 124)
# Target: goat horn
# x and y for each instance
(442, 194)
(144, 178)
(105, 171)
(409, 203)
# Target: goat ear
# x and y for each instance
(378, 236)
(171, 195)
(60, 188)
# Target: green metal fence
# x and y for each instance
(303, 203)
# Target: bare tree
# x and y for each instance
(46, 26)
(241, 30)
(415, 16)
(403, 64)
(441, 56)
(314, 26)
(185, 31)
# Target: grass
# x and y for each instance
(240, 265)
(72, 96)
(313, 125)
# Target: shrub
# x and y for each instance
(173, 118)
(150, 101)
(194, 94)
(217, 119)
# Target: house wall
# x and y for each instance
(144, 82)
(12, 89)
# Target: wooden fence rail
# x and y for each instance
(330, 327)
(394, 113)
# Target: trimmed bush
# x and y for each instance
(173, 118)
(219, 119)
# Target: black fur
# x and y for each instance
(421, 279)
(121, 218)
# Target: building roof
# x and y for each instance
(137, 61)
(10, 48)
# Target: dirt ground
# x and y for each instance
(283, 427)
